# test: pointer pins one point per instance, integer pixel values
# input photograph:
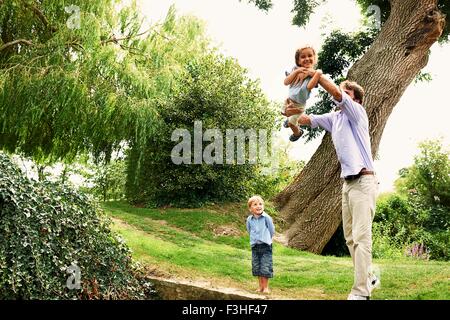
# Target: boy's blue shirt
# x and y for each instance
(261, 230)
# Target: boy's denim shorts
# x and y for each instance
(262, 265)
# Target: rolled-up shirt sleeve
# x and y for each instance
(325, 121)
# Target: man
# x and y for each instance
(349, 128)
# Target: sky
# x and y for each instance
(264, 43)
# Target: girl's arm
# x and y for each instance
(314, 80)
(293, 76)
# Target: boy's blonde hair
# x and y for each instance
(299, 51)
(253, 199)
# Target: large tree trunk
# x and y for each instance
(311, 204)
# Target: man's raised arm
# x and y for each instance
(331, 88)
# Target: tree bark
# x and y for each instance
(311, 204)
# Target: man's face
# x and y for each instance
(350, 93)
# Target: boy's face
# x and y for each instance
(306, 58)
(257, 207)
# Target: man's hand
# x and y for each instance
(296, 76)
(304, 120)
(311, 72)
(299, 78)
(300, 74)
(292, 109)
(315, 76)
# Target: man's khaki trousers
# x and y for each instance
(358, 210)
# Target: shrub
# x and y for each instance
(216, 91)
(45, 228)
(417, 215)
(431, 245)
(107, 180)
(406, 222)
(383, 245)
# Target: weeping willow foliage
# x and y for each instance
(66, 90)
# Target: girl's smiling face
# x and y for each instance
(307, 58)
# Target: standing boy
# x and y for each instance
(261, 229)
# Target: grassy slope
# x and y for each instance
(182, 243)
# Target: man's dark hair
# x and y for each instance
(357, 89)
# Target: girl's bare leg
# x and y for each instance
(294, 129)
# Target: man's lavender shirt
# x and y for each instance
(349, 130)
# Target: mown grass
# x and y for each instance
(183, 243)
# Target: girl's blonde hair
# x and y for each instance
(253, 199)
(299, 51)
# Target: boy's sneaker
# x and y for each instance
(294, 138)
(286, 123)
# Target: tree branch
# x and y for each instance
(115, 40)
(40, 15)
(12, 43)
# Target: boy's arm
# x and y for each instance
(248, 225)
(314, 80)
(271, 227)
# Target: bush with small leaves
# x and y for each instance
(45, 229)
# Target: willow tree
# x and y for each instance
(84, 77)
(311, 204)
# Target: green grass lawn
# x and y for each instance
(190, 244)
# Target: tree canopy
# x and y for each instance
(302, 10)
(65, 90)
